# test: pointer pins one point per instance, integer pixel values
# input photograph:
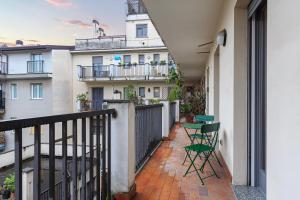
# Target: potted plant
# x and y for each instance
(186, 110)
(134, 64)
(163, 62)
(2, 141)
(9, 184)
(83, 101)
(153, 63)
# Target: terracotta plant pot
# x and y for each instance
(189, 118)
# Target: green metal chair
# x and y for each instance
(205, 150)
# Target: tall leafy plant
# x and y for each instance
(175, 77)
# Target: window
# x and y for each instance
(142, 92)
(13, 91)
(97, 60)
(36, 91)
(156, 59)
(141, 30)
(125, 92)
(141, 59)
(156, 92)
(127, 59)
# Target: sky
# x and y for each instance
(58, 22)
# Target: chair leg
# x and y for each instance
(215, 155)
(212, 168)
(192, 164)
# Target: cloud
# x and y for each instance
(61, 3)
(75, 22)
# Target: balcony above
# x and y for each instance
(35, 70)
(116, 42)
(35, 67)
(3, 68)
(123, 72)
(135, 7)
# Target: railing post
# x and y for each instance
(177, 111)
(165, 118)
(123, 140)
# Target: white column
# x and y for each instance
(122, 147)
(27, 183)
(177, 111)
(165, 118)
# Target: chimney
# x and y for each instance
(19, 43)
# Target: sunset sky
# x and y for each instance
(58, 21)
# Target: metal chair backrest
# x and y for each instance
(212, 129)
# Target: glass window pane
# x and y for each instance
(156, 92)
(141, 30)
(141, 59)
(142, 91)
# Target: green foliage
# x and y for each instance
(82, 97)
(174, 94)
(175, 77)
(185, 108)
(163, 62)
(154, 101)
(131, 94)
(9, 182)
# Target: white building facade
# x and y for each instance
(105, 66)
(34, 81)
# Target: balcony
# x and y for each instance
(123, 72)
(3, 68)
(135, 7)
(116, 42)
(105, 140)
(35, 67)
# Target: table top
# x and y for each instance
(192, 125)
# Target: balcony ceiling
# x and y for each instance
(183, 25)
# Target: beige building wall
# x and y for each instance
(231, 96)
(153, 38)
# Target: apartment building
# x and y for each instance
(34, 81)
(105, 66)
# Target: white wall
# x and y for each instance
(153, 38)
(17, 62)
(62, 82)
(283, 110)
(232, 90)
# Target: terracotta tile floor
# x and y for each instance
(162, 177)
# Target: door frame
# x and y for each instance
(257, 89)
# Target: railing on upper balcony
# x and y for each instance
(148, 129)
(144, 71)
(135, 7)
(35, 67)
(3, 68)
(94, 125)
(116, 42)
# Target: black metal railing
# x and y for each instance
(123, 71)
(2, 100)
(100, 158)
(58, 191)
(148, 131)
(172, 116)
(36, 66)
(3, 68)
(135, 7)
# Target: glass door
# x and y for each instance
(257, 92)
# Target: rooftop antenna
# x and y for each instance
(96, 23)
